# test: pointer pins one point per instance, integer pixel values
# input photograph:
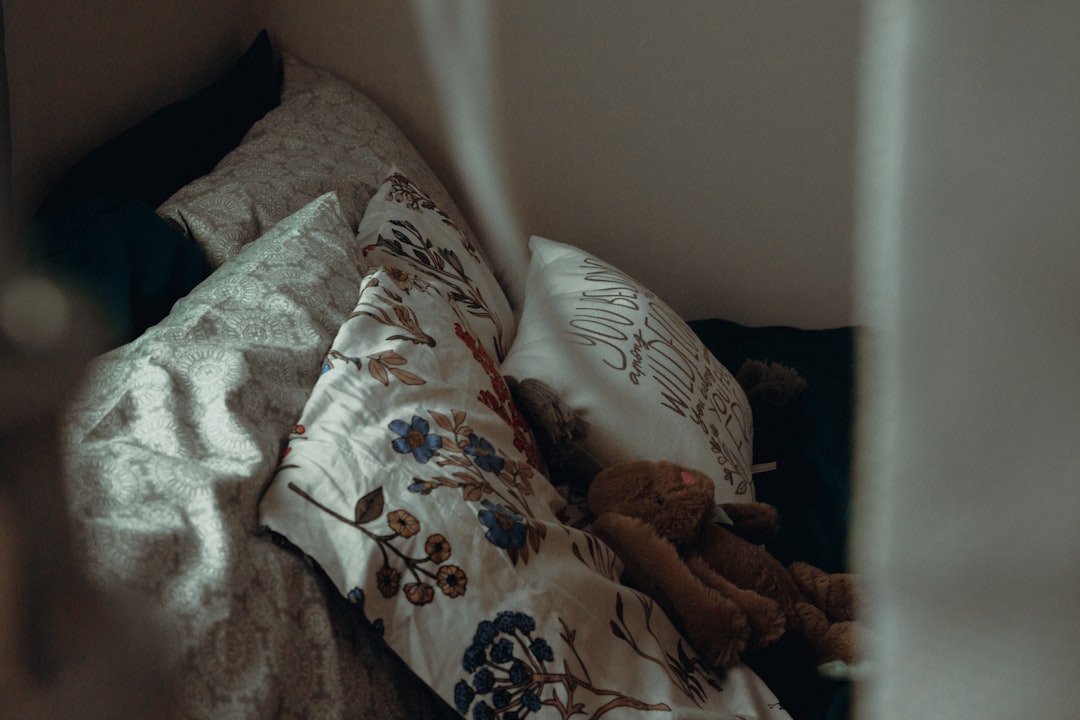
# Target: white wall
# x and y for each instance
(706, 147)
(81, 72)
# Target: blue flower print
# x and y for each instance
(541, 650)
(519, 673)
(483, 454)
(530, 700)
(502, 652)
(506, 529)
(486, 632)
(484, 681)
(463, 696)
(475, 656)
(414, 438)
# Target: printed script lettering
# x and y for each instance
(638, 335)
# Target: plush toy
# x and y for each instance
(723, 589)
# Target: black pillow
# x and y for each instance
(180, 142)
(120, 255)
(811, 440)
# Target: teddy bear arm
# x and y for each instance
(835, 593)
(715, 626)
(825, 641)
(756, 522)
(767, 621)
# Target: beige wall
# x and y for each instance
(706, 147)
(80, 72)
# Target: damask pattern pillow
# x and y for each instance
(324, 136)
(617, 354)
(411, 480)
(406, 228)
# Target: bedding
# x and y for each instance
(333, 393)
(324, 136)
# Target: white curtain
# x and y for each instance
(969, 463)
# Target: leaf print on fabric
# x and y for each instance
(404, 192)
(384, 364)
(394, 314)
(687, 673)
(407, 242)
(499, 400)
(511, 670)
(414, 438)
(451, 580)
(602, 558)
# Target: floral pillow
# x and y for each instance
(632, 367)
(324, 136)
(414, 483)
(404, 227)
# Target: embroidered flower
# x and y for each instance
(501, 698)
(485, 633)
(519, 673)
(482, 711)
(484, 681)
(474, 657)
(530, 700)
(419, 593)
(483, 454)
(405, 281)
(452, 580)
(463, 696)
(414, 438)
(541, 650)
(437, 548)
(388, 580)
(502, 651)
(506, 529)
(403, 523)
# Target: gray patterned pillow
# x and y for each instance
(324, 136)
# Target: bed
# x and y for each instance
(301, 459)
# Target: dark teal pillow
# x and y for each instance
(810, 440)
(178, 143)
(119, 254)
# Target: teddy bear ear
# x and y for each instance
(559, 429)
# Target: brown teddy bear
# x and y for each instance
(723, 590)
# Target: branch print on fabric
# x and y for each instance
(480, 471)
(513, 672)
(686, 672)
(385, 364)
(417, 574)
(443, 265)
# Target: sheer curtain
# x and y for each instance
(969, 230)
